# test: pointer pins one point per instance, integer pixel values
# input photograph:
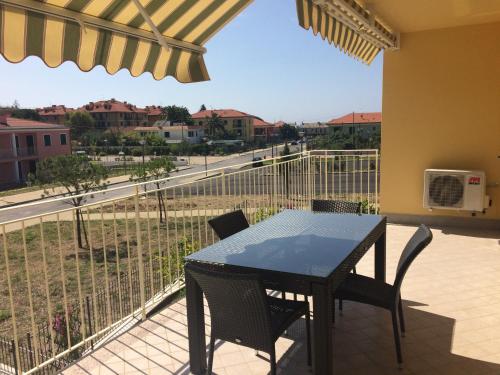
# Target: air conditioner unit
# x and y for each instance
(455, 190)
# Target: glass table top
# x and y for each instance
(293, 241)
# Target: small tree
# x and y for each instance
(203, 108)
(178, 114)
(25, 113)
(80, 123)
(155, 170)
(289, 132)
(76, 175)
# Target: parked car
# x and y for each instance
(257, 162)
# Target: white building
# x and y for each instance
(173, 133)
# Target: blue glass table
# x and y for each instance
(297, 252)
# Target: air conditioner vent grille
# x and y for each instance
(446, 190)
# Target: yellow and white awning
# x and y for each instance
(348, 26)
(163, 37)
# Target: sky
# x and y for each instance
(261, 63)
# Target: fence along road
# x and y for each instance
(119, 190)
(134, 246)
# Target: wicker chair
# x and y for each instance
(339, 207)
(242, 313)
(364, 289)
(228, 224)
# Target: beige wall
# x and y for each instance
(441, 109)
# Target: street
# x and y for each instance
(124, 188)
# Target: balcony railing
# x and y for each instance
(60, 299)
(26, 151)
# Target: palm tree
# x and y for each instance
(215, 125)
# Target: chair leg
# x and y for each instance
(354, 269)
(341, 306)
(396, 335)
(283, 295)
(401, 317)
(272, 360)
(308, 337)
(211, 355)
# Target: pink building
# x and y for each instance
(24, 142)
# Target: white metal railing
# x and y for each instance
(61, 298)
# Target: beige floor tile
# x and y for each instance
(452, 308)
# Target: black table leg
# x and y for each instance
(196, 327)
(380, 255)
(322, 343)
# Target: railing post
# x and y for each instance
(223, 188)
(30, 350)
(139, 254)
(14, 357)
(275, 187)
(89, 318)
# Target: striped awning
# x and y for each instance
(348, 26)
(163, 37)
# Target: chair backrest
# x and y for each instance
(418, 242)
(228, 224)
(239, 312)
(333, 206)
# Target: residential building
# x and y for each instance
(55, 114)
(173, 133)
(263, 130)
(240, 123)
(24, 142)
(115, 114)
(364, 124)
(314, 129)
(154, 113)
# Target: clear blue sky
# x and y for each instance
(262, 63)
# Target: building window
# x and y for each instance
(190, 134)
(200, 123)
(166, 134)
(62, 138)
(47, 140)
(351, 130)
(225, 122)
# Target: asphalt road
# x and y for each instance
(124, 189)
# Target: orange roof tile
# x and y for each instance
(279, 124)
(357, 118)
(154, 110)
(220, 112)
(25, 123)
(111, 105)
(54, 110)
(258, 122)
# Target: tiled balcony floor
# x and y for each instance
(452, 307)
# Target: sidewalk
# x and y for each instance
(38, 194)
(34, 195)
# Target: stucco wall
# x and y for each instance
(441, 109)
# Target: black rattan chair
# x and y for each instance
(364, 289)
(336, 207)
(228, 224)
(242, 313)
(333, 206)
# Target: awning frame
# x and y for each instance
(364, 23)
(87, 20)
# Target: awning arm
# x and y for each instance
(365, 24)
(159, 36)
(87, 20)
